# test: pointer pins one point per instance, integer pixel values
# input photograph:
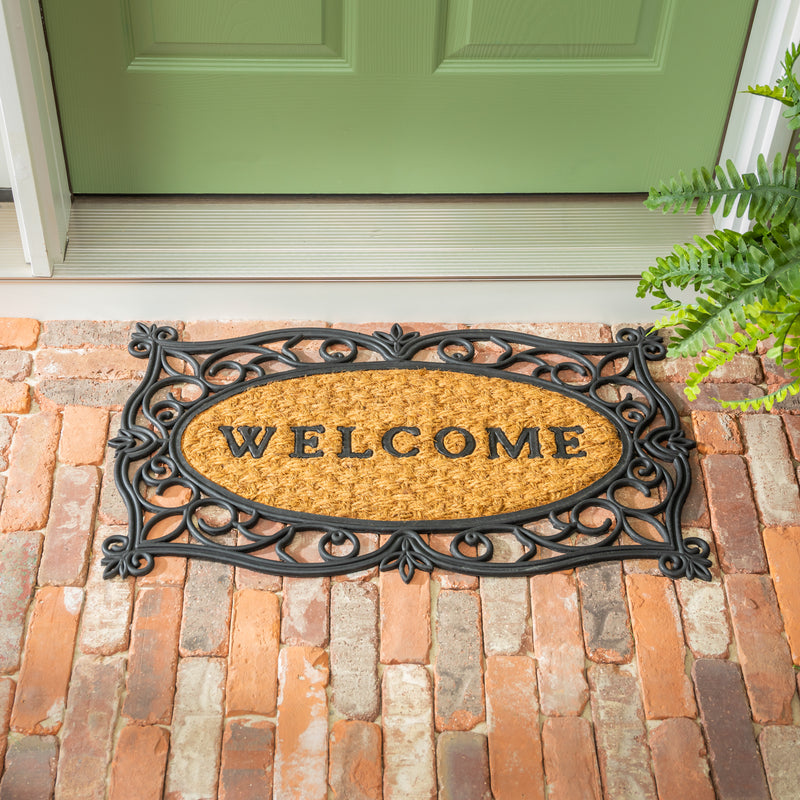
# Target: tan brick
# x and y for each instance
(47, 662)
(84, 433)
(82, 333)
(30, 479)
(105, 624)
(512, 714)
(408, 737)
(604, 614)
(505, 605)
(458, 674)
(18, 332)
(779, 746)
(301, 745)
(207, 595)
(679, 761)
(105, 364)
(248, 750)
(354, 762)
(620, 733)
(19, 557)
(88, 737)
(558, 644)
(705, 618)
(15, 397)
(140, 763)
(570, 762)
(112, 509)
(405, 618)
(354, 650)
(763, 652)
(253, 662)
(744, 368)
(451, 580)
(153, 655)
(68, 537)
(15, 365)
(773, 478)
(304, 616)
(213, 330)
(30, 768)
(54, 394)
(783, 553)
(196, 738)
(660, 649)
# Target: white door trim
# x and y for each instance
(30, 133)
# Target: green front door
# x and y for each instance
(390, 96)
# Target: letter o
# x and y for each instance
(469, 442)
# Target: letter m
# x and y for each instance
(248, 435)
(529, 436)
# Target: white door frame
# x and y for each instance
(31, 136)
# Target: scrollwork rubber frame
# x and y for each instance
(558, 536)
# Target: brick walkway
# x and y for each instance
(202, 682)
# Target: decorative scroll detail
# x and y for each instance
(636, 514)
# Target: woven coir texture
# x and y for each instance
(427, 486)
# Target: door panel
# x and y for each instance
(382, 96)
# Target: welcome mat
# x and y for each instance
(313, 451)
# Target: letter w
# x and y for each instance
(248, 435)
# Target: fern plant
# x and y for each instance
(747, 285)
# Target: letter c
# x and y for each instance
(387, 442)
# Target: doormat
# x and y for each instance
(315, 451)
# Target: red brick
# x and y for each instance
(84, 432)
(408, 734)
(301, 746)
(733, 755)
(716, 432)
(253, 662)
(779, 746)
(763, 652)
(15, 397)
(7, 425)
(462, 764)
(679, 761)
(47, 662)
(604, 613)
(783, 552)
(355, 768)
(771, 471)
(304, 616)
(30, 768)
(19, 557)
(558, 644)
(153, 655)
(88, 737)
(709, 395)
(140, 763)
(405, 618)
(620, 733)
(354, 650)
(30, 479)
(248, 579)
(106, 619)
(570, 762)
(18, 332)
(167, 570)
(196, 737)
(695, 509)
(566, 331)
(205, 628)
(660, 651)
(791, 424)
(458, 675)
(248, 749)
(512, 714)
(7, 688)
(15, 365)
(69, 531)
(733, 514)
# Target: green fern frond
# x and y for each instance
(769, 195)
(767, 401)
(773, 92)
